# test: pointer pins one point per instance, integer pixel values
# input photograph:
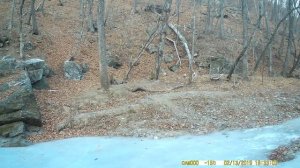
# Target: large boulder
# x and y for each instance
(35, 69)
(8, 65)
(72, 70)
(34, 64)
(14, 90)
(35, 75)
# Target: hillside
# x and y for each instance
(165, 108)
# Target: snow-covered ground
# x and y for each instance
(115, 152)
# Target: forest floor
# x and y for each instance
(142, 107)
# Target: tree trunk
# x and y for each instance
(221, 25)
(134, 4)
(11, 22)
(163, 26)
(208, 18)
(21, 29)
(90, 16)
(35, 30)
(102, 46)
(289, 46)
(245, 38)
(268, 37)
(193, 42)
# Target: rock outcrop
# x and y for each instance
(18, 107)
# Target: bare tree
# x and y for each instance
(245, 38)
(290, 36)
(102, 46)
(34, 22)
(193, 42)
(11, 22)
(208, 18)
(163, 26)
(91, 27)
(273, 36)
(221, 24)
(21, 29)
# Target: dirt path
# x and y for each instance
(155, 113)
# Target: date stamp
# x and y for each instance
(229, 162)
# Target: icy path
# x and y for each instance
(117, 152)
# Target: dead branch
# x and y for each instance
(186, 47)
(175, 46)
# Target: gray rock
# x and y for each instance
(48, 72)
(28, 46)
(72, 70)
(85, 67)
(18, 141)
(14, 91)
(151, 49)
(4, 40)
(168, 58)
(31, 117)
(12, 129)
(221, 64)
(8, 65)
(114, 61)
(35, 75)
(174, 67)
(34, 64)
(41, 84)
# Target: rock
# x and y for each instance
(168, 58)
(28, 46)
(47, 71)
(72, 70)
(28, 116)
(8, 65)
(4, 40)
(154, 8)
(15, 90)
(18, 141)
(12, 129)
(114, 61)
(41, 84)
(220, 65)
(34, 64)
(151, 49)
(85, 67)
(35, 75)
(174, 67)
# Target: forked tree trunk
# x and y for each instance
(102, 46)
